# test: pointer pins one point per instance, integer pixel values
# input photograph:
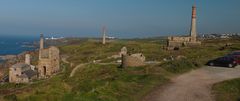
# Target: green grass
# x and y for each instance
(109, 83)
(97, 83)
(11, 86)
(91, 50)
(227, 90)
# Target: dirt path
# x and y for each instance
(65, 60)
(193, 86)
(76, 68)
(83, 65)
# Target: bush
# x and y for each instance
(180, 66)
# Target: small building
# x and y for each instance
(21, 73)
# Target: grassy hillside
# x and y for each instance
(91, 50)
(96, 82)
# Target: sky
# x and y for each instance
(123, 18)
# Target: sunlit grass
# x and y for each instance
(227, 90)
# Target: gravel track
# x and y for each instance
(193, 86)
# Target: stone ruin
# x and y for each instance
(22, 72)
(191, 40)
(132, 60)
(48, 65)
(177, 42)
(49, 60)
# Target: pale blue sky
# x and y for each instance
(123, 18)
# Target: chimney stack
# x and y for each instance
(193, 30)
(104, 35)
(28, 59)
(41, 41)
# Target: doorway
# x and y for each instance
(44, 70)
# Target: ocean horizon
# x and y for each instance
(10, 45)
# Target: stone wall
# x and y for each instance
(134, 60)
(22, 80)
(179, 39)
(177, 42)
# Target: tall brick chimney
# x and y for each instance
(193, 30)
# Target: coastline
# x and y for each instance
(10, 46)
(7, 57)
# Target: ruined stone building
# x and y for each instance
(22, 72)
(176, 42)
(132, 60)
(48, 63)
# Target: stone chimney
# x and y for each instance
(193, 29)
(28, 59)
(104, 35)
(41, 41)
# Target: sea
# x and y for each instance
(13, 45)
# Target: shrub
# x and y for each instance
(179, 66)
